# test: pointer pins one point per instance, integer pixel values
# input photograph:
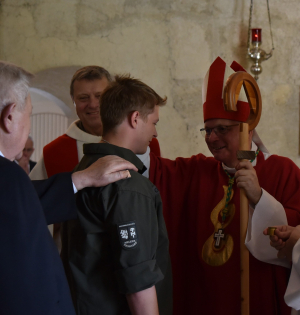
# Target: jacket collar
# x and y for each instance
(109, 149)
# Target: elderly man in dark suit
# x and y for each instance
(32, 280)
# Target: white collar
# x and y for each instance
(1, 154)
(80, 135)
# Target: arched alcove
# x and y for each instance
(53, 110)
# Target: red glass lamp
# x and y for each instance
(256, 35)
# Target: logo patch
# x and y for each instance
(128, 235)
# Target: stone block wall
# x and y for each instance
(169, 45)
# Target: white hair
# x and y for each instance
(14, 85)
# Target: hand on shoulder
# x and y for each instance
(104, 171)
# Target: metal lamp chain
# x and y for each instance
(250, 22)
(270, 24)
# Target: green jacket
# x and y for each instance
(119, 244)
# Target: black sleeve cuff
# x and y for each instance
(139, 277)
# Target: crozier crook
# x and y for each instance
(231, 93)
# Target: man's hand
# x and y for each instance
(284, 239)
(246, 178)
(104, 171)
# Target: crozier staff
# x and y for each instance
(238, 80)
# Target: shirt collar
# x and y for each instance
(1, 154)
(76, 133)
(109, 149)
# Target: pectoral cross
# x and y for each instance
(218, 236)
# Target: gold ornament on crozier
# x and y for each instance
(219, 256)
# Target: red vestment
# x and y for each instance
(60, 155)
(190, 189)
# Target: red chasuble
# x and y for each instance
(190, 190)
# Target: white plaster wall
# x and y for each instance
(169, 45)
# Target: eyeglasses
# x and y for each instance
(218, 130)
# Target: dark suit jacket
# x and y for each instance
(32, 279)
(31, 165)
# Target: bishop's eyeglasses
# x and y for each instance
(218, 130)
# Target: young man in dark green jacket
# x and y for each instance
(118, 249)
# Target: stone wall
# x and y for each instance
(169, 45)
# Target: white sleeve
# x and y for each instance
(268, 212)
(39, 171)
(292, 294)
